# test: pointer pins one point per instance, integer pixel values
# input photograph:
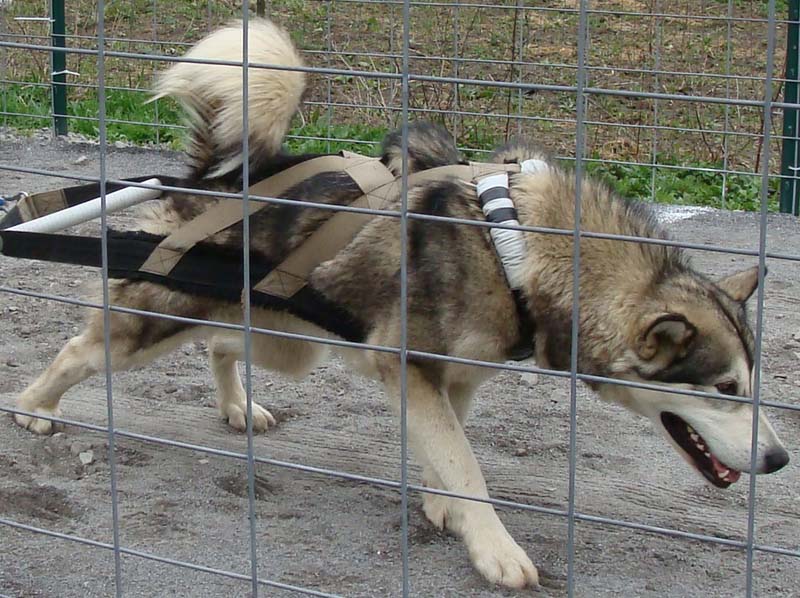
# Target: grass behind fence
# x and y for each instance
(502, 43)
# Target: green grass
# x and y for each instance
(366, 139)
(672, 185)
(687, 187)
(28, 108)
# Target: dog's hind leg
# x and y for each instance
(76, 362)
(438, 438)
(134, 340)
(223, 354)
(288, 356)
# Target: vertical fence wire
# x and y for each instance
(248, 331)
(456, 120)
(762, 250)
(581, 100)
(3, 64)
(405, 95)
(520, 21)
(112, 461)
(657, 30)
(155, 49)
(727, 108)
(329, 4)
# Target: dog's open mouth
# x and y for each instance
(714, 470)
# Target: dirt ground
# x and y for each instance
(340, 536)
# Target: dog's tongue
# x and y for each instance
(724, 472)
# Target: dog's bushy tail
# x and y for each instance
(213, 99)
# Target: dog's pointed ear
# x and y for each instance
(742, 285)
(664, 335)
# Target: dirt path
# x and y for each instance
(341, 536)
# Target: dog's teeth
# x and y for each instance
(723, 474)
(707, 454)
(690, 428)
(694, 437)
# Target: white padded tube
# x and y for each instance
(89, 210)
(509, 244)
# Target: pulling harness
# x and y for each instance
(185, 261)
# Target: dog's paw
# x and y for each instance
(500, 560)
(236, 414)
(435, 508)
(36, 424)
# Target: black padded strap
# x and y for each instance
(206, 270)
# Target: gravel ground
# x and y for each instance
(341, 536)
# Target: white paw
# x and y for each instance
(35, 424)
(435, 508)
(500, 559)
(236, 414)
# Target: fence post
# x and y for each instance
(59, 64)
(790, 161)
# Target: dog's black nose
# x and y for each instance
(775, 460)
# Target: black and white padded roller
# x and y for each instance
(498, 208)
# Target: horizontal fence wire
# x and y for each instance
(583, 92)
(395, 56)
(375, 74)
(334, 342)
(420, 216)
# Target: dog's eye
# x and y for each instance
(727, 388)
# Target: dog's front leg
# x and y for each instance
(437, 437)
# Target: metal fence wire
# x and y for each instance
(673, 100)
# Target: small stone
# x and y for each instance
(58, 436)
(171, 389)
(650, 586)
(79, 446)
(521, 452)
(530, 378)
(86, 457)
(797, 354)
(81, 160)
(11, 309)
(203, 461)
(12, 363)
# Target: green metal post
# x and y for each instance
(790, 160)
(59, 62)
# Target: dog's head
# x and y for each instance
(693, 334)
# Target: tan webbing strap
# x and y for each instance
(41, 204)
(229, 211)
(341, 228)
(368, 173)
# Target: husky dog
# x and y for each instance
(655, 320)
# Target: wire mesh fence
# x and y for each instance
(675, 92)
(676, 103)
